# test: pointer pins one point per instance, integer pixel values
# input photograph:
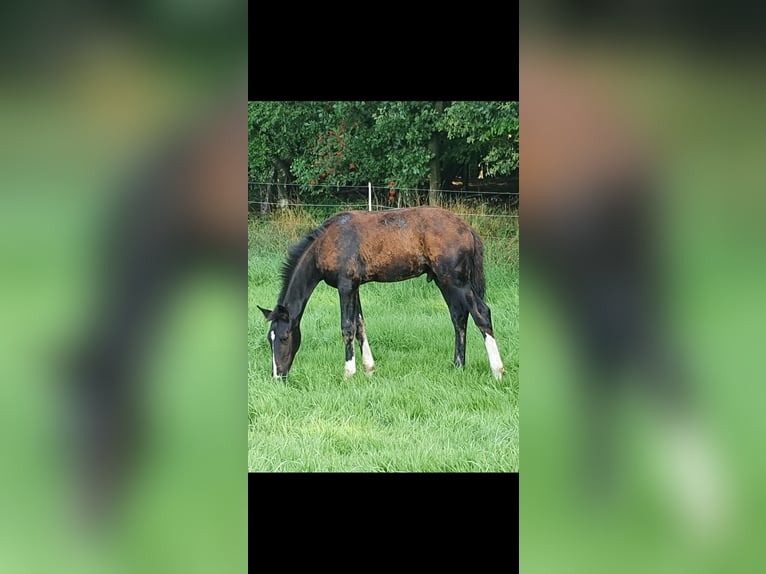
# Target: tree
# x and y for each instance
(322, 147)
(487, 130)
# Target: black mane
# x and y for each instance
(294, 255)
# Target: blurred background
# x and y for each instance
(642, 137)
(123, 223)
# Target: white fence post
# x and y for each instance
(369, 195)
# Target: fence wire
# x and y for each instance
(378, 205)
(364, 207)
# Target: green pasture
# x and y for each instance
(417, 413)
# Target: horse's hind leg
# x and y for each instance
(458, 309)
(361, 336)
(483, 319)
(348, 324)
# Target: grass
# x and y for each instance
(417, 413)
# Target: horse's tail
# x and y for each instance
(478, 282)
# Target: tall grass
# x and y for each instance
(417, 412)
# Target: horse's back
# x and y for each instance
(578, 150)
(393, 245)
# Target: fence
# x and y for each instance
(495, 219)
(281, 195)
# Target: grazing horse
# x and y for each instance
(592, 198)
(352, 248)
(179, 210)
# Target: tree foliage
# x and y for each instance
(323, 146)
(489, 128)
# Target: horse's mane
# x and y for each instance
(294, 255)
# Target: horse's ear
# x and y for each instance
(281, 312)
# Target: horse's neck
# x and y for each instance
(299, 289)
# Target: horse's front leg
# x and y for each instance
(348, 314)
(361, 336)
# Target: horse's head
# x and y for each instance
(284, 336)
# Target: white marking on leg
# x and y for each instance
(350, 367)
(367, 361)
(495, 362)
(697, 479)
(273, 358)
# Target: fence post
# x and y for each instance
(369, 196)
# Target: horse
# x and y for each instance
(592, 181)
(356, 247)
(178, 209)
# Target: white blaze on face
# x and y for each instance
(273, 358)
(495, 362)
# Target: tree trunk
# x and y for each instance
(434, 173)
(282, 171)
(266, 205)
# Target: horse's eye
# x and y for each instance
(283, 338)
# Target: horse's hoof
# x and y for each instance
(498, 373)
(369, 369)
(350, 370)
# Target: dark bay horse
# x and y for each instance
(178, 211)
(595, 243)
(352, 248)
